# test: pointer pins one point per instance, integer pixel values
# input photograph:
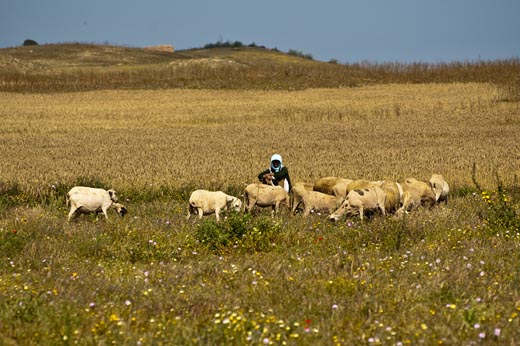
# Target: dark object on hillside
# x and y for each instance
(30, 42)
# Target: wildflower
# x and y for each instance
(451, 306)
(128, 302)
(497, 332)
(482, 335)
(476, 326)
(334, 306)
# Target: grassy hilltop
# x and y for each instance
(154, 126)
(83, 67)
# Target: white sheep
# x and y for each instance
(265, 196)
(86, 200)
(440, 188)
(318, 202)
(298, 190)
(203, 202)
(358, 201)
(415, 194)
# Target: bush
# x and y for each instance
(30, 42)
(227, 44)
(238, 231)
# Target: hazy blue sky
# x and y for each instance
(346, 30)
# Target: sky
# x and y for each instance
(348, 31)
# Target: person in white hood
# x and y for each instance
(276, 174)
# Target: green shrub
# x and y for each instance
(30, 42)
(238, 231)
(500, 216)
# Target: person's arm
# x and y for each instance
(261, 176)
(282, 174)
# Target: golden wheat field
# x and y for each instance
(221, 139)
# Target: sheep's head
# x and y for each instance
(343, 209)
(113, 195)
(236, 205)
(120, 209)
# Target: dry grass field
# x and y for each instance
(447, 275)
(210, 138)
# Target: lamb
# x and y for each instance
(440, 188)
(203, 202)
(359, 201)
(265, 196)
(86, 200)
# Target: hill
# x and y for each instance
(70, 56)
(83, 67)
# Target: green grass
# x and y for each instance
(447, 275)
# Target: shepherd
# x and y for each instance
(277, 174)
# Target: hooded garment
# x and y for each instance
(276, 157)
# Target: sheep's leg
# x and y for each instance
(306, 212)
(361, 213)
(189, 213)
(250, 205)
(217, 212)
(72, 213)
(200, 212)
(104, 210)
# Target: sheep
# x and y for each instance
(318, 201)
(440, 188)
(362, 184)
(86, 200)
(415, 193)
(340, 189)
(327, 184)
(265, 196)
(393, 191)
(203, 202)
(297, 192)
(359, 201)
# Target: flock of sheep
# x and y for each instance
(333, 195)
